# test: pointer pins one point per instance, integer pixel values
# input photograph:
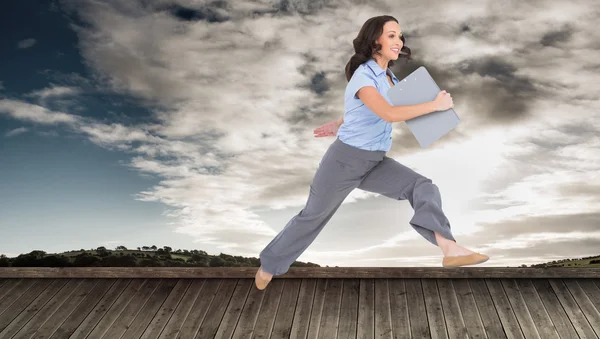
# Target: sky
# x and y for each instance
(189, 124)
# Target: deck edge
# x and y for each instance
(299, 272)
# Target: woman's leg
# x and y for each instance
(397, 181)
(337, 175)
(394, 180)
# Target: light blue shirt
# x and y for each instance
(362, 128)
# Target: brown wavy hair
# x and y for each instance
(365, 45)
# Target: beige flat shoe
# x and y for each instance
(260, 283)
(471, 259)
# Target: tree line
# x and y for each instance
(145, 256)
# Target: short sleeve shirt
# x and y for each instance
(362, 128)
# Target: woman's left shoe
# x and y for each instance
(471, 259)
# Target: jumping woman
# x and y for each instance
(357, 158)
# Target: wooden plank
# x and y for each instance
(435, 313)
(349, 309)
(467, 307)
(167, 309)
(133, 308)
(268, 309)
(300, 272)
(317, 309)
(557, 314)
(110, 311)
(504, 309)
(195, 308)
(234, 309)
(150, 308)
(399, 309)
(382, 310)
(287, 308)
(63, 309)
(244, 327)
(33, 308)
(591, 290)
(19, 298)
(10, 284)
(120, 287)
(417, 311)
(586, 305)
(49, 308)
(365, 328)
(455, 324)
(486, 308)
(15, 289)
(214, 312)
(75, 319)
(519, 308)
(591, 287)
(303, 312)
(328, 327)
(174, 327)
(536, 308)
(582, 326)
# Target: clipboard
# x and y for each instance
(417, 88)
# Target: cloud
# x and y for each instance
(37, 114)
(48, 133)
(53, 91)
(16, 131)
(550, 170)
(1, 85)
(237, 88)
(26, 43)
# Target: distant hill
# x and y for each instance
(587, 262)
(146, 256)
(151, 256)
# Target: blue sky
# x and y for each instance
(128, 124)
(59, 190)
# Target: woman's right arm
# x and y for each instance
(376, 103)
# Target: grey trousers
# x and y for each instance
(342, 169)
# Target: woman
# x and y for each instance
(356, 159)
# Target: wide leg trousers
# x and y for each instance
(342, 169)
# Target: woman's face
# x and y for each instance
(390, 40)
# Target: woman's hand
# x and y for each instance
(328, 130)
(443, 101)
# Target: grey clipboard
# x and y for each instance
(417, 88)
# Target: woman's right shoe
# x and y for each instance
(464, 260)
(259, 281)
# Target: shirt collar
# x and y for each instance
(377, 69)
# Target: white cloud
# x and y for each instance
(54, 91)
(57, 97)
(528, 240)
(34, 113)
(16, 131)
(569, 160)
(48, 133)
(26, 43)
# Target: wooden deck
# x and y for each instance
(168, 303)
